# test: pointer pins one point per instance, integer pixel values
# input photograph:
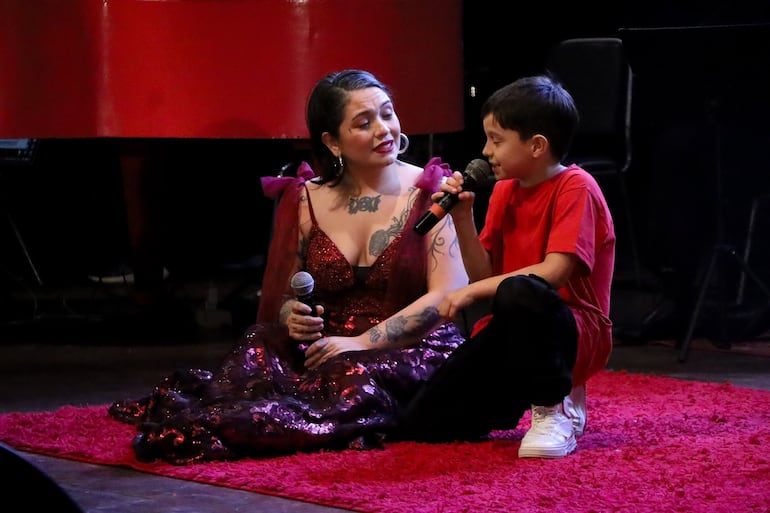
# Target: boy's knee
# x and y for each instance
(528, 291)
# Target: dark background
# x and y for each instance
(68, 202)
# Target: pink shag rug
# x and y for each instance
(652, 444)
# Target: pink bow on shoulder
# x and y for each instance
(432, 174)
(273, 186)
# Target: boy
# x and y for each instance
(544, 260)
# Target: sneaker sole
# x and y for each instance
(548, 452)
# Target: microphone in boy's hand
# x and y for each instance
(477, 174)
(302, 284)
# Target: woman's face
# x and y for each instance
(370, 132)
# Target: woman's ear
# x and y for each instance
(331, 143)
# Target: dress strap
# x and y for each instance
(310, 206)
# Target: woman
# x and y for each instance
(297, 381)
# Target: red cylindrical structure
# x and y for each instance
(218, 68)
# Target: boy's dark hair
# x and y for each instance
(535, 105)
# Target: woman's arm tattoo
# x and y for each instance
(302, 249)
(440, 245)
(405, 326)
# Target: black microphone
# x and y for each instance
(302, 285)
(477, 174)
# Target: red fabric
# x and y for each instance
(283, 246)
(565, 214)
(218, 69)
(281, 257)
(652, 444)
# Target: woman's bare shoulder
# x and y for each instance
(409, 172)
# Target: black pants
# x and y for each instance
(524, 356)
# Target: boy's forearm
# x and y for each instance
(475, 257)
(477, 263)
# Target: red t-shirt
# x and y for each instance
(565, 214)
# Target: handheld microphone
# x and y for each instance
(477, 174)
(302, 285)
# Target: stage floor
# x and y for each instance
(48, 364)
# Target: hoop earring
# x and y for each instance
(340, 165)
(404, 140)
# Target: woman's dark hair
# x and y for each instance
(535, 105)
(326, 111)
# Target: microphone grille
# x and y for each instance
(479, 172)
(302, 283)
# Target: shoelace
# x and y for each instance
(542, 416)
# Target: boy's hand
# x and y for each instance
(454, 185)
(454, 302)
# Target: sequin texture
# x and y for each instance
(261, 401)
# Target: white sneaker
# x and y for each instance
(551, 435)
(575, 408)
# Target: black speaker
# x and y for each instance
(43, 494)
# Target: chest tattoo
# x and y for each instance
(364, 204)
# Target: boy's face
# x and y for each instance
(508, 154)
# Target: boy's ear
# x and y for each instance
(539, 145)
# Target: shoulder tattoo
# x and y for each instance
(381, 238)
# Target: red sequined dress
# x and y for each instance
(261, 401)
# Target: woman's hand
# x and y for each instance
(325, 348)
(301, 322)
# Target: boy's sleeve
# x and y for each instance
(575, 226)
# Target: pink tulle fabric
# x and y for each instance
(262, 400)
(283, 247)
